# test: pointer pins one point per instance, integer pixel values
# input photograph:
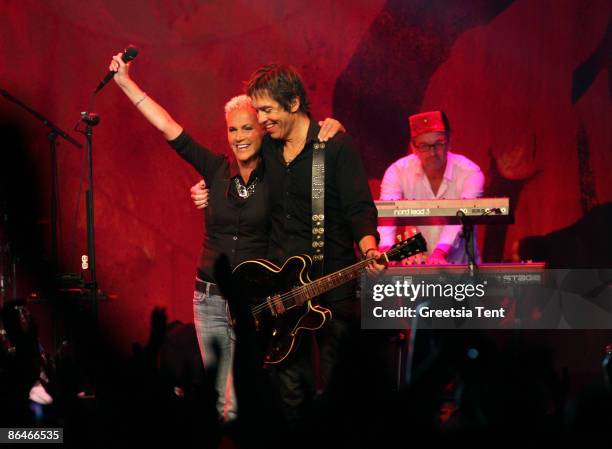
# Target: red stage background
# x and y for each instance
(526, 84)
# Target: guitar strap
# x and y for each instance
(318, 241)
(318, 206)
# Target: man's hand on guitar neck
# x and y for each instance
(369, 249)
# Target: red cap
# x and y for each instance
(426, 122)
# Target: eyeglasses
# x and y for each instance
(425, 147)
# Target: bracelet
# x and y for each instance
(140, 101)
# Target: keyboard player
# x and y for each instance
(431, 171)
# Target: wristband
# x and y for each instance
(140, 101)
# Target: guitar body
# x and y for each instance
(280, 322)
(282, 300)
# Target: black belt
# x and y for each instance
(207, 287)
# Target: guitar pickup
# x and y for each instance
(276, 305)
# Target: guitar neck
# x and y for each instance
(328, 282)
(300, 295)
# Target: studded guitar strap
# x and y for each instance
(318, 205)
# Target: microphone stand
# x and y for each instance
(91, 119)
(468, 235)
(54, 133)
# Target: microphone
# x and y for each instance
(128, 54)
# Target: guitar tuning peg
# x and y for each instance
(398, 237)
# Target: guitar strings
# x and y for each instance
(298, 291)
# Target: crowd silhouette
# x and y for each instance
(471, 387)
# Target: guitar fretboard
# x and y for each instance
(300, 295)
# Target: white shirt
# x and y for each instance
(405, 179)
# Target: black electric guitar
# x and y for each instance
(282, 299)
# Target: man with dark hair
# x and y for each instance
(283, 83)
(432, 171)
(350, 218)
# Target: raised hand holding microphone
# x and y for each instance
(153, 112)
(129, 53)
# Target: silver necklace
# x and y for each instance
(245, 192)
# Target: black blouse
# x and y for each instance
(235, 226)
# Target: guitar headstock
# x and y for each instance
(408, 247)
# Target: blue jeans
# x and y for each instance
(217, 341)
